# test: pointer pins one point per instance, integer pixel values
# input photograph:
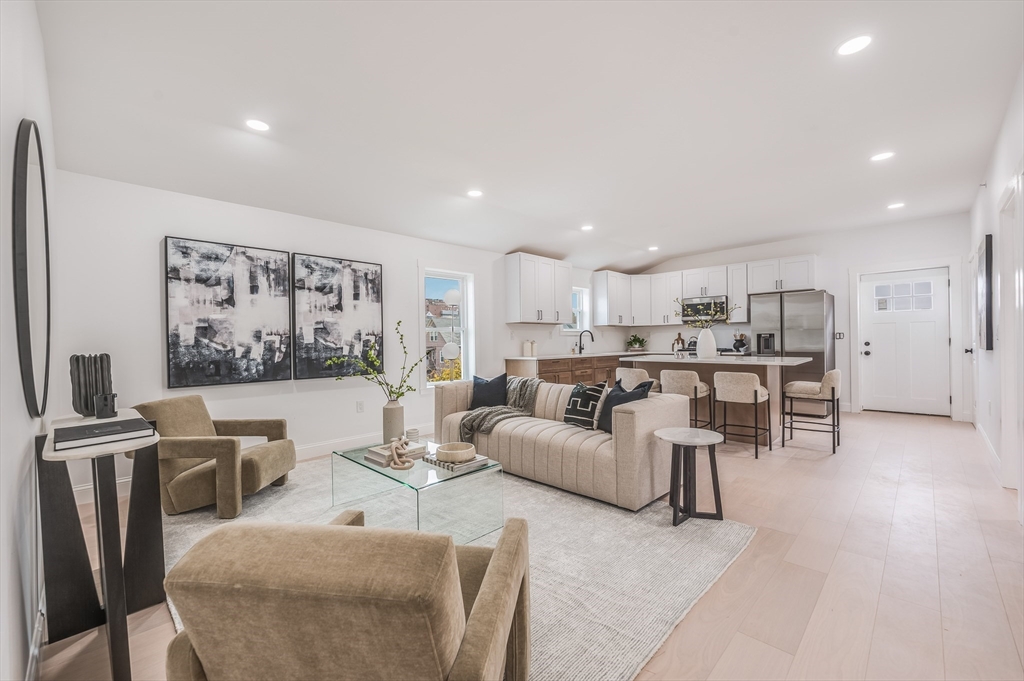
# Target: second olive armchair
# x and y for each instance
(202, 461)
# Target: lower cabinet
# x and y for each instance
(588, 370)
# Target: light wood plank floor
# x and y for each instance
(900, 557)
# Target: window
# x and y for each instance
(580, 318)
(903, 296)
(446, 300)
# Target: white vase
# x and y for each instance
(394, 420)
(707, 348)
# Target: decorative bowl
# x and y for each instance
(456, 452)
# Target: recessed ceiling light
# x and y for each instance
(257, 125)
(475, 193)
(652, 248)
(587, 228)
(894, 206)
(853, 45)
(883, 156)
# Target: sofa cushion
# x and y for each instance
(584, 405)
(489, 393)
(619, 395)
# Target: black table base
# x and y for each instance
(72, 604)
(684, 465)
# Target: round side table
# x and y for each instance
(684, 452)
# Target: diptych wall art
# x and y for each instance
(228, 315)
(338, 313)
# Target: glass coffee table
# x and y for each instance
(425, 497)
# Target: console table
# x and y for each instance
(72, 603)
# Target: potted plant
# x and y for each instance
(373, 368)
(704, 316)
(635, 343)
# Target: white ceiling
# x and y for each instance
(689, 125)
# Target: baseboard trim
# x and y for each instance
(84, 495)
(992, 454)
(317, 449)
(35, 648)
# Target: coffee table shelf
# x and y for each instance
(425, 497)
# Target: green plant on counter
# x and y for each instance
(707, 314)
(636, 341)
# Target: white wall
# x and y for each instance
(838, 252)
(995, 372)
(25, 95)
(107, 265)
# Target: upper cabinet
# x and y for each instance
(666, 289)
(784, 274)
(737, 276)
(538, 290)
(640, 299)
(612, 299)
(705, 281)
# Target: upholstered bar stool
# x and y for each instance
(631, 378)
(742, 388)
(688, 383)
(828, 390)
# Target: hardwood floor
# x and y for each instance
(899, 557)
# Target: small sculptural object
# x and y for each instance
(397, 459)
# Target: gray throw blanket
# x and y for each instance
(520, 399)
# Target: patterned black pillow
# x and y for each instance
(585, 405)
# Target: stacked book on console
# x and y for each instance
(476, 462)
(100, 433)
(379, 455)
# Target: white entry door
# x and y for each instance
(904, 341)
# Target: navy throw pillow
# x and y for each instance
(489, 393)
(619, 395)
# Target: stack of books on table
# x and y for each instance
(100, 433)
(379, 455)
(476, 462)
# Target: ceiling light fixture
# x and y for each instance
(587, 228)
(475, 193)
(885, 155)
(257, 125)
(853, 45)
(894, 206)
(652, 248)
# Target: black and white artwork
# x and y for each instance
(338, 313)
(228, 317)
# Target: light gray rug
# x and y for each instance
(607, 585)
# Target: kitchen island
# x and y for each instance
(767, 369)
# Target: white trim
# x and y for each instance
(956, 324)
(35, 644)
(992, 455)
(84, 495)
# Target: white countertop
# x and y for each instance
(725, 359)
(569, 355)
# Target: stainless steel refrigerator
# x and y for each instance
(803, 325)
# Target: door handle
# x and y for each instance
(968, 350)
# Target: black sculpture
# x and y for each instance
(90, 376)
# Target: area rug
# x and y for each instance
(607, 585)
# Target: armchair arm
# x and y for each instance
(642, 461)
(272, 429)
(182, 662)
(498, 628)
(351, 518)
(450, 398)
(228, 453)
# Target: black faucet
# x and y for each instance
(581, 338)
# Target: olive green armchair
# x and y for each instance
(202, 461)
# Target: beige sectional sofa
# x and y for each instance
(629, 468)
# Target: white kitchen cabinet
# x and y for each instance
(737, 275)
(612, 302)
(706, 281)
(640, 299)
(538, 290)
(794, 273)
(666, 288)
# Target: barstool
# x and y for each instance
(742, 388)
(684, 453)
(688, 383)
(828, 389)
(631, 378)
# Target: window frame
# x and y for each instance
(584, 317)
(467, 320)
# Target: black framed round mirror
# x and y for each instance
(31, 267)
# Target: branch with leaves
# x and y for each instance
(706, 315)
(374, 368)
